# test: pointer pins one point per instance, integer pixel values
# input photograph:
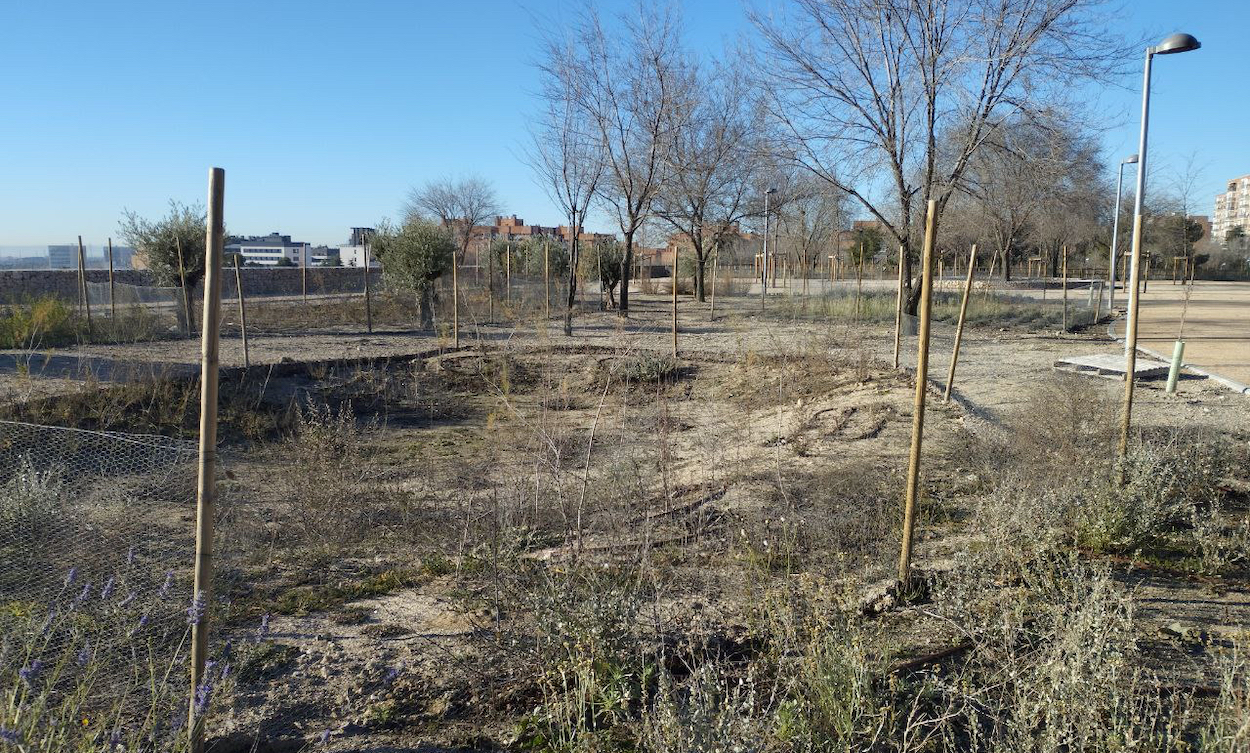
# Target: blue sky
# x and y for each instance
(324, 114)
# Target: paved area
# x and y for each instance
(1216, 326)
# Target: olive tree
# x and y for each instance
(413, 256)
(156, 242)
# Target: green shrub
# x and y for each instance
(43, 322)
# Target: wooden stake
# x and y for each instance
(238, 287)
(186, 295)
(205, 502)
(303, 278)
(82, 276)
(507, 275)
(364, 256)
(859, 279)
(676, 251)
(959, 328)
(715, 257)
(898, 307)
(490, 284)
(1065, 288)
(922, 374)
(112, 289)
(455, 298)
(547, 277)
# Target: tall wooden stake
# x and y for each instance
(676, 251)
(959, 328)
(303, 278)
(547, 278)
(490, 284)
(364, 256)
(507, 262)
(715, 256)
(205, 501)
(859, 280)
(898, 307)
(238, 286)
(112, 289)
(922, 374)
(186, 294)
(1065, 288)
(82, 276)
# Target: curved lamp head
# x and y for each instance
(1130, 160)
(1176, 43)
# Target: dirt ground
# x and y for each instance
(770, 407)
(1214, 315)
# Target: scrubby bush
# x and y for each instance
(43, 322)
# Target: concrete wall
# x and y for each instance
(18, 286)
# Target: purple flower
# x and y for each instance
(143, 622)
(169, 583)
(195, 612)
(225, 671)
(30, 672)
(115, 739)
(129, 598)
(262, 632)
(203, 697)
(325, 736)
(86, 591)
(9, 736)
(71, 576)
(84, 655)
(47, 622)
(130, 556)
(107, 591)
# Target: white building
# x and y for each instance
(269, 250)
(353, 256)
(1232, 209)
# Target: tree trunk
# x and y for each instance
(627, 261)
(700, 266)
(573, 254)
(1007, 264)
(426, 300)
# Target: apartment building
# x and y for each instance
(1232, 209)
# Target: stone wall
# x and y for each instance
(18, 286)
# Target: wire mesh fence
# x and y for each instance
(95, 549)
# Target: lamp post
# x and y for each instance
(1173, 44)
(1115, 226)
(764, 255)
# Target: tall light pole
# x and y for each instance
(1173, 44)
(1115, 226)
(764, 255)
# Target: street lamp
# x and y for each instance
(1115, 225)
(764, 255)
(1171, 45)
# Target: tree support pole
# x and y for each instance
(206, 484)
(917, 426)
(238, 287)
(82, 277)
(112, 289)
(898, 306)
(959, 328)
(186, 295)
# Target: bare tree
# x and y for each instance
(566, 157)
(862, 90)
(459, 205)
(812, 221)
(1031, 181)
(628, 87)
(712, 165)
